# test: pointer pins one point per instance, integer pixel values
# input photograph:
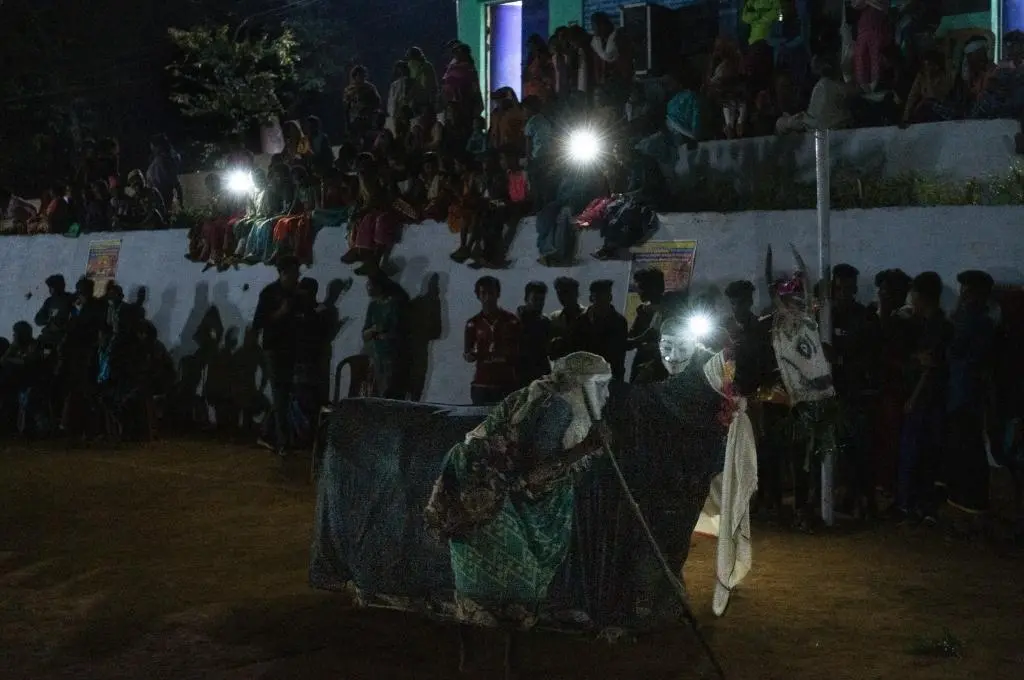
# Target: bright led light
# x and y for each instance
(584, 146)
(699, 326)
(240, 182)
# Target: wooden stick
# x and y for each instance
(669, 573)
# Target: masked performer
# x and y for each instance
(504, 500)
(807, 378)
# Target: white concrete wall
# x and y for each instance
(729, 246)
(955, 150)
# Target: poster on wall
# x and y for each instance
(102, 264)
(675, 260)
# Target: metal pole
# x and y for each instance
(821, 165)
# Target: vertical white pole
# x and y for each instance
(821, 165)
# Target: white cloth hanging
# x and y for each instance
(726, 512)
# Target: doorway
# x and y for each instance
(505, 46)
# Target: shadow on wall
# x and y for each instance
(426, 323)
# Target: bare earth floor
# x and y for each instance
(188, 560)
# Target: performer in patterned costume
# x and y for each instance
(806, 374)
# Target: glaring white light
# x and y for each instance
(240, 182)
(699, 326)
(584, 146)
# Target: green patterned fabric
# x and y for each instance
(508, 535)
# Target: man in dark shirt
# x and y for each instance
(536, 334)
(564, 321)
(925, 409)
(602, 330)
(491, 342)
(970, 393)
(53, 316)
(276, 319)
(856, 347)
(646, 331)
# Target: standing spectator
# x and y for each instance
(645, 334)
(874, 33)
(53, 316)
(162, 173)
(564, 322)
(320, 149)
(312, 330)
(401, 93)
(614, 57)
(760, 16)
(931, 86)
(925, 409)
(508, 120)
(275, 318)
(492, 341)
(536, 334)
(384, 333)
(603, 331)
(425, 76)
(970, 394)
(892, 286)
(88, 316)
(855, 349)
(539, 76)
(540, 136)
(362, 102)
(460, 88)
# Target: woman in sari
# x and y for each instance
(504, 501)
(362, 102)
(384, 332)
(460, 89)
(539, 76)
(374, 227)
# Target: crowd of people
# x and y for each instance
(99, 197)
(94, 369)
(924, 397)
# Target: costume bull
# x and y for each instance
(524, 520)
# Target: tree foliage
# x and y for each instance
(233, 84)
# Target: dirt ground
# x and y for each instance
(188, 560)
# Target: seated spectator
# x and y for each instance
(556, 237)
(15, 209)
(374, 227)
(518, 185)
(478, 141)
(931, 87)
(828, 108)
(139, 206)
(683, 112)
(436, 189)
(296, 144)
(468, 207)
(55, 216)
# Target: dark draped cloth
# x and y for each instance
(382, 458)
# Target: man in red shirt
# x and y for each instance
(492, 343)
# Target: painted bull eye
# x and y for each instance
(804, 347)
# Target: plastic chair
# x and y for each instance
(358, 386)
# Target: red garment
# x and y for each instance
(295, 233)
(517, 186)
(377, 229)
(494, 341)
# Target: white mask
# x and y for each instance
(677, 351)
(597, 393)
